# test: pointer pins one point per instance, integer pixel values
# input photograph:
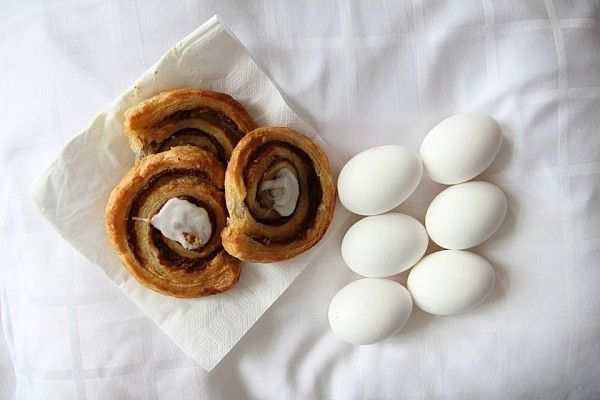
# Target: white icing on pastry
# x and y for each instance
(183, 222)
(283, 190)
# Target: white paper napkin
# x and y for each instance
(73, 192)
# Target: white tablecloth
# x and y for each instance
(365, 74)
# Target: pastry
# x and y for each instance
(279, 194)
(164, 220)
(212, 121)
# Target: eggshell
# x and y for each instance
(379, 179)
(384, 245)
(465, 215)
(461, 147)
(450, 282)
(369, 310)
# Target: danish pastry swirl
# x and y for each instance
(157, 262)
(210, 120)
(256, 231)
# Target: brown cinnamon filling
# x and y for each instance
(265, 198)
(166, 254)
(197, 137)
(169, 256)
(262, 198)
(194, 137)
(219, 118)
(312, 186)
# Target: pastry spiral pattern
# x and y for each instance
(256, 231)
(209, 120)
(157, 262)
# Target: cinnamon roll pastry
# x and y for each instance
(279, 194)
(212, 121)
(164, 220)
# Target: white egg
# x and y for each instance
(465, 215)
(461, 147)
(369, 310)
(384, 245)
(450, 282)
(379, 179)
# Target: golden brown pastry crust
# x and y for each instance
(155, 261)
(253, 233)
(207, 119)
